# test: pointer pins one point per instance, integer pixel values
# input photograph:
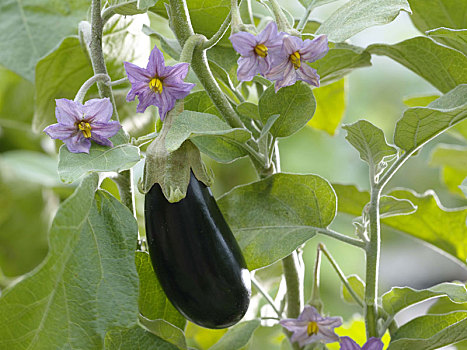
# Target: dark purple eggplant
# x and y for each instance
(196, 258)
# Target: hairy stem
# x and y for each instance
(265, 295)
(88, 83)
(219, 34)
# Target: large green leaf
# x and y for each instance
(272, 217)
(453, 161)
(153, 304)
(430, 332)
(357, 15)
(398, 298)
(26, 33)
(421, 124)
(350, 200)
(392, 206)
(165, 331)
(58, 75)
(330, 107)
(441, 66)
(135, 338)
(199, 101)
(71, 166)
(455, 38)
(295, 104)
(86, 285)
(370, 142)
(212, 135)
(430, 14)
(340, 61)
(237, 336)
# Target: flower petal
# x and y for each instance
(247, 68)
(327, 335)
(178, 91)
(177, 72)
(60, 131)
(78, 143)
(105, 130)
(167, 102)
(156, 63)
(330, 322)
(308, 74)
(278, 68)
(315, 49)
(137, 89)
(291, 44)
(348, 343)
(244, 43)
(136, 74)
(98, 110)
(146, 99)
(269, 32)
(289, 78)
(309, 313)
(373, 344)
(68, 112)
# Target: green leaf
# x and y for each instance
(29, 166)
(58, 75)
(358, 287)
(71, 166)
(135, 338)
(398, 298)
(87, 283)
(350, 199)
(430, 332)
(330, 107)
(454, 38)
(153, 304)
(421, 124)
(237, 336)
(26, 34)
(420, 100)
(272, 217)
(200, 102)
(165, 331)
(314, 3)
(340, 61)
(295, 104)
(170, 46)
(441, 66)
(430, 14)
(249, 110)
(357, 15)
(451, 236)
(392, 206)
(370, 142)
(453, 161)
(463, 187)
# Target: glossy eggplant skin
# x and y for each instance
(196, 258)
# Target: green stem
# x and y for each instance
(190, 44)
(219, 34)
(343, 238)
(341, 275)
(237, 23)
(301, 25)
(88, 83)
(290, 266)
(315, 299)
(372, 263)
(265, 295)
(282, 23)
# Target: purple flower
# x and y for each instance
(291, 65)
(257, 52)
(348, 343)
(79, 124)
(157, 84)
(311, 327)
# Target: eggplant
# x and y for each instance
(196, 258)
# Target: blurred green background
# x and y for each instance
(30, 190)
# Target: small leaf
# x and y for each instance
(453, 161)
(399, 298)
(422, 101)
(421, 124)
(199, 101)
(135, 338)
(370, 142)
(237, 336)
(350, 199)
(165, 331)
(72, 166)
(430, 14)
(430, 332)
(454, 38)
(392, 206)
(87, 283)
(358, 287)
(357, 15)
(295, 104)
(442, 67)
(272, 217)
(153, 304)
(330, 107)
(170, 46)
(249, 110)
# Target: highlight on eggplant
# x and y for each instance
(196, 258)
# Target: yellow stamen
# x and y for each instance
(312, 328)
(295, 59)
(261, 50)
(85, 127)
(156, 85)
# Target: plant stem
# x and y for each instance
(372, 263)
(301, 25)
(124, 180)
(341, 275)
(343, 238)
(315, 299)
(291, 267)
(219, 34)
(282, 23)
(265, 295)
(88, 83)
